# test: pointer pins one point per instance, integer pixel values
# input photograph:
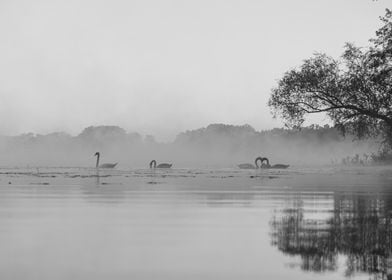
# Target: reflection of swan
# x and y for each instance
(246, 166)
(105, 165)
(153, 164)
(267, 164)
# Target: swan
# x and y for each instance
(153, 164)
(104, 165)
(246, 166)
(267, 164)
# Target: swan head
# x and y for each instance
(96, 154)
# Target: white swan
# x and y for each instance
(153, 164)
(267, 165)
(104, 165)
(246, 166)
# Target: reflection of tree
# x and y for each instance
(360, 228)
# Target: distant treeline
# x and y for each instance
(217, 145)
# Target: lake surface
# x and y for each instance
(76, 223)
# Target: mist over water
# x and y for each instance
(162, 70)
(218, 145)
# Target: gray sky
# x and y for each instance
(160, 67)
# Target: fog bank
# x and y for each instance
(215, 146)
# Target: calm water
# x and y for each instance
(196, 224)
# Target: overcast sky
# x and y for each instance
(160, 67)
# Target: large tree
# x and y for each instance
(354, 91)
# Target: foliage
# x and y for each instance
(354, 91)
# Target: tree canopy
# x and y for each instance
(355, 91)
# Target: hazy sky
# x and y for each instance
(160, 67)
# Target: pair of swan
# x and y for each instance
(264, 163)
(153, 163)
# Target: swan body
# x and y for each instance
(104, 165)
(108, 165)
(164, 165)
(279, 166)
(246, 166)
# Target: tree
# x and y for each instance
(354, 91)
